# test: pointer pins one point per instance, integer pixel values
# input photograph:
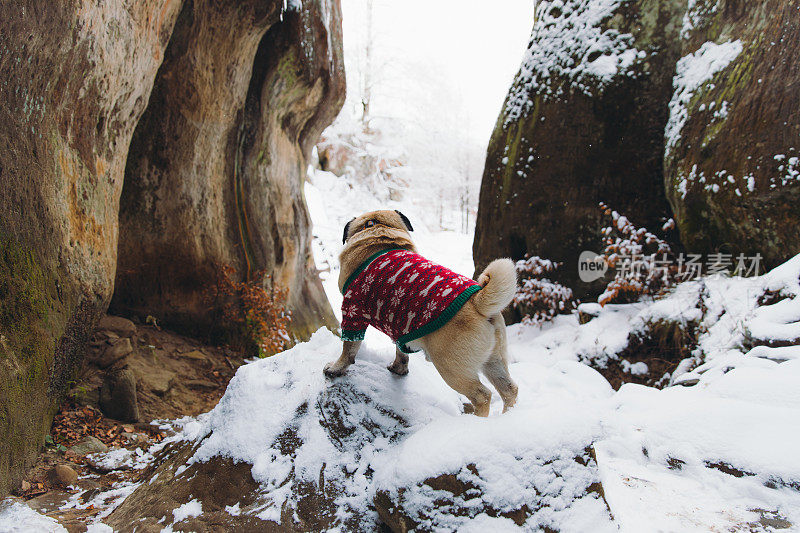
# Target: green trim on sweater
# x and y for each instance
(353, 335)
(454, 307)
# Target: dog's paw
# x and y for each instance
(400, 370)
(332, 370)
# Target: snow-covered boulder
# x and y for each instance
(287, 446)
(695, 333)
(583, 122)
(732, 161)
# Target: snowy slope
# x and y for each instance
(716, 456)
(406, 430)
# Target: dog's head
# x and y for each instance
(374, 221)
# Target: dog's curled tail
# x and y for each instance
(499, 284)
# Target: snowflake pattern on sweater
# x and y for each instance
(403, 295)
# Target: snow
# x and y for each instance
(685, 431)
(563, 338)
(790, 170)
(233, 510)
(642, 494)
(516, 459)
(570, 48)
(698, 12)
(637, 369)
(99, 528)
(189, 509)
(698, 428)
(718, 455)
(518, 462)
(665, 458)
(743, 412)
(483, 523)
(692, 72)
(16, 517)
(120, 458)
(107, 500)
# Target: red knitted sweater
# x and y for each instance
(402, 294)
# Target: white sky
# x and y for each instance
(441, 58)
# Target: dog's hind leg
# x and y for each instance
(496, 367)
(400, 364)
(465, 380)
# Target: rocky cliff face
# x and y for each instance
(76, 78)
(733, 142)
(251, 88)
(218, 161)
(582, 123)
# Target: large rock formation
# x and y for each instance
(76, 79)
(217, 163)
(583, 123)
(615, 102)
(733, 143)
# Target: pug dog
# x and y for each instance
(424, 306)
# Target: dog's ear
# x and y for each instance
(346, 227)
(405, 220)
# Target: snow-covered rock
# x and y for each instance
(16, 517)
(583, 122)
(717, 455)
(287, 447)
(292, 447)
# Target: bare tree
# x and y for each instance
(366, 71)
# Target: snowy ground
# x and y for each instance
(719, 455)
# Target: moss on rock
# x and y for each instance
(571, 135)
(731, 178)
(31, 319)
